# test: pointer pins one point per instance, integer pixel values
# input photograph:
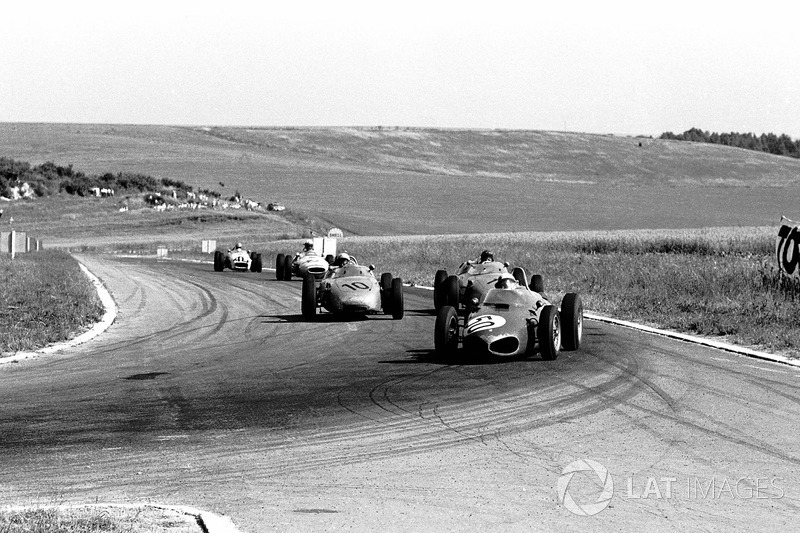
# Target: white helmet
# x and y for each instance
(342, 259)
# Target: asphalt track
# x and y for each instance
(210, 391)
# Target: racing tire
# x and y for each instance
(287, 268)
(219, 261)
(308, 302)
(441, 276)
(279, 267)
(451, 291)
(571, 321)
(445, 336)
(519, 275)
(537, 283)
(396, 299)
(548, 332)
(385, 289)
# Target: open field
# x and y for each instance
(372, 181)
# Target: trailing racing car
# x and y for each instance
(352, 289)
(473, 279)
(511, 320)
(237, 258)
(308, 261)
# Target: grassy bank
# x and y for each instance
(717, 282)
(44, 298)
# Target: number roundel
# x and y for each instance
(483, 322)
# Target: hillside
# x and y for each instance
(420, 181)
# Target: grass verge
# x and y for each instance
(44, 298)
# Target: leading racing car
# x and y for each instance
(511, 320)
(352, 289)
(237, 258)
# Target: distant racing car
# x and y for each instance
(237, 258)
(352, 289)
(511, 320)
(473, 279)
(315, 258)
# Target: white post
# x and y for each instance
(12, 242)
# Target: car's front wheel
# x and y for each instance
(279, 267)
(308, 302)
(396, 299)
(549, 332)
(445, 336)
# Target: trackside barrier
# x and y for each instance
(5, 242)
(161, 252)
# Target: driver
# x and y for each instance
(308, 249)
(342, 259)
(238, 247)
(486, 257)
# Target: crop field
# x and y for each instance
(384, 181)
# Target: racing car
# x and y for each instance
(308, 261)
(237, 259)
(352, 289)
(472, 280)
(511, 320)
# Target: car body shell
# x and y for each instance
(350, 289)
(504, 323)
(238, 259)
(309, 263)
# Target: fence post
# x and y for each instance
(12, 243)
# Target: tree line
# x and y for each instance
(766, 142)
(49, 178)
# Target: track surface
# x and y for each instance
(210, 391)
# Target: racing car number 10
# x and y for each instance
(480, 323)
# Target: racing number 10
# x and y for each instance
(356, 285)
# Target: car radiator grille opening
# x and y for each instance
(507, 345)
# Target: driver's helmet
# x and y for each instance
(238, 246)
(342, 259)
(308, 245)
(487, 256)
(506, 281)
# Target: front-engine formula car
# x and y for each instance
(512, 320)
(352, 289)
(473, 279)
(308, 261)
(237, 259)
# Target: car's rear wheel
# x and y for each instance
(308, 302)
(445, 336)
(287, 268)
(537, 283)
(255, 262)
(451, 291)
(438, 280)
(385, 288)
(396, 299)
(279, 267)
(572, 321)
(519, 275)
(549, 332)
(219, 261)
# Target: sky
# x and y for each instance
(632, 68)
